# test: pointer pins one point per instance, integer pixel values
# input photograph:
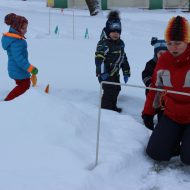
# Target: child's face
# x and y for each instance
(23, 30)
(176, 48)
(114, 35)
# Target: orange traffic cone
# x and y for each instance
(47, 89)
(33, 80)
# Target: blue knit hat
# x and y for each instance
(113, 23)
(158, 45)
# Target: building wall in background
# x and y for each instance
(151, 4)
(176, 3)
(128, 3)
(109, 4)
(77, 3)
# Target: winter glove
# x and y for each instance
(103, 77)
(34, 71)
(126, 77)
(33, 80)
(148, 121)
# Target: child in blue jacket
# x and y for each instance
(14, 43)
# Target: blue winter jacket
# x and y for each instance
(16, 48)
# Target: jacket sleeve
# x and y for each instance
(20, 55)
(125, 66)
(147, 73)
(149, 107)
(100, 54)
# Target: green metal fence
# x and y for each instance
(104, 4)
(60, 3)
(155, 4)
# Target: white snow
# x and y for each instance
(48, 141)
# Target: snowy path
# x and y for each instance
(48, 141)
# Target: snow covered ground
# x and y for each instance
(48, 141)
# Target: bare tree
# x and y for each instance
(93, 6)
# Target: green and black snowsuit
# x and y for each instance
(110, 57)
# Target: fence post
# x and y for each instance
(155, 4)
(98, 127)
(61, 3)
(104, 4)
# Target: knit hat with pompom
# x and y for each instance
(113, 23)
(15, 21)
(178, 29)
(158, 45)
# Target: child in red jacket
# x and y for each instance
(171, 73)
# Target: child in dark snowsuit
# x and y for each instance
(159, 48)
(15, 44)
(110, 58)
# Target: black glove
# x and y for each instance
(148, 121)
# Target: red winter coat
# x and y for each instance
(172, 73)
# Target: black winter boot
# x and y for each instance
(119, 110)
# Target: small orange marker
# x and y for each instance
(47, 89)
